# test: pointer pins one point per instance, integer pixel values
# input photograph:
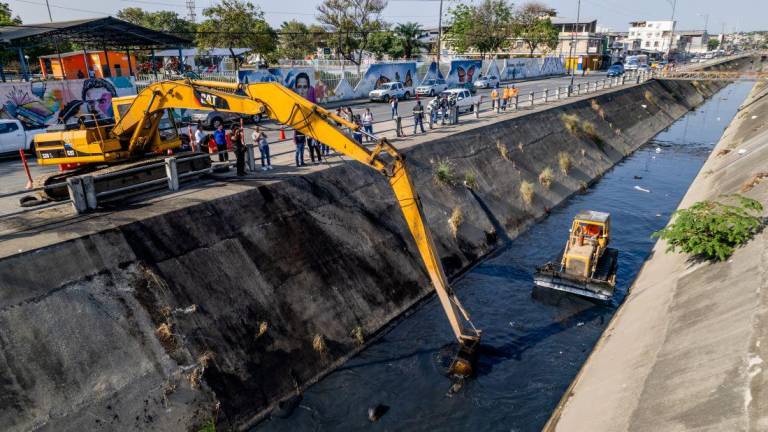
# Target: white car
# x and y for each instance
(462, 98)
(489, 81)
(389, 90)
(14, 136)
(431, 87)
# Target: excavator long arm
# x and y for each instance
(286, 107)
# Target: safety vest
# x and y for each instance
(506, 93)
(512, 92)
(494, 94)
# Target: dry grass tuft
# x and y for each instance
(753, 181)
(195, 377)
(359, 335)
(527, 192)
(546, 177)
(571, 123)
(597, 109)
(205, 358)
(263, 327)
(565, 162)
(319, 345)
(503, 150)
(649, 97)
(165, 334)
(457, 217)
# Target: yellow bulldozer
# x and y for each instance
(144, 128)
(588, 266)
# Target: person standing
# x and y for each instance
(513, 95)
(394, 103)
(199, 136)
(504, 98)
(443, 109)
(314, 149)
(300, 140)
(238, 142)
(368, 123)
(220, 137)
(260, 139)
(418, 117)
(494, 99)
(435, 105)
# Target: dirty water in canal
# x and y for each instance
(533, 345)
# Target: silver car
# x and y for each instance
(212, 119)
(431, 87)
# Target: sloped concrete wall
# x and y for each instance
(211, 311)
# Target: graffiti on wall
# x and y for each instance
(42, 103)
(382, 73)
(464, 72)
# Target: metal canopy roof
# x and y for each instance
(98, 33)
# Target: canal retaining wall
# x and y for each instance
(216, 311)
(687, 349)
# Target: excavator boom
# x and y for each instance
(286, 107)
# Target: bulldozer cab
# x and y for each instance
(589, 236)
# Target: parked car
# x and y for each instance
(212, 119)
(615, 70)
(15, 136)
(461, 96)
(490, 81)
(389, 90)
(431, 87)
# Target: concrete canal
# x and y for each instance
(534, 343)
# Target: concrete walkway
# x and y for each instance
(687, 350)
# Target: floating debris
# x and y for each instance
(376, 412)
(642, 189)
(658, 149)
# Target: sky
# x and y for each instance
(733, 15)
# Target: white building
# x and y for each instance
(653, 36)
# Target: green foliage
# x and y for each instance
(353, 21)
(713, 229)
(6, 15)
(444, 173)
(533, 26)
(470, 180)
(484, 27)
(237, 24)
(297, 40)
(407, 35)
(165, 21)
(384, 42)
(209, 426)
(712, 44)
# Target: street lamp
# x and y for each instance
(573, 42)
(673, 3)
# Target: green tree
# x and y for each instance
(533, 26)
(295, 41)
(6, 16)
(485, 27)
(384, 42)
(712, 44)
(237, 24)
(408, 38)
(353, 22)
(165, 21)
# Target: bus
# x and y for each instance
(635, 61)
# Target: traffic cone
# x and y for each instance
(282, 132)
(169, 152)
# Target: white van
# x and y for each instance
(464, 99)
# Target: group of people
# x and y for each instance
(316, 149)
(220, 142)
(508, 94)
(363, 121)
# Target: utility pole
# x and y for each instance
(671, 33)
(439, 35)
(573, 42)
(50, 17)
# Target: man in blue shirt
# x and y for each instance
(220, 137)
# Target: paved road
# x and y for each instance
(12, 177)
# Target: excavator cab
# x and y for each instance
(588, 266)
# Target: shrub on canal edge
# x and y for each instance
(564, 161)
(444, 174)
(713, 230)
(546, 177)
(526, 192)
(457, 217)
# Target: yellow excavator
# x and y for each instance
(144, 126)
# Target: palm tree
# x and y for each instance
(408, 34)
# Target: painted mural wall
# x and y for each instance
(432, 73)
(42, 103)
(521, 68)
(464, 72)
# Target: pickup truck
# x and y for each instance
(389, 90)
(460, 96)
(14, 136)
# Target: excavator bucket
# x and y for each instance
(463, 365)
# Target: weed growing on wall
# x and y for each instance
(444, 173)
(470, 180)
(457, 217)
(546, 177)
(526, 192)
(564, 162)
(359, 335)
(503, 150)
(319, 345)
(713, 229)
